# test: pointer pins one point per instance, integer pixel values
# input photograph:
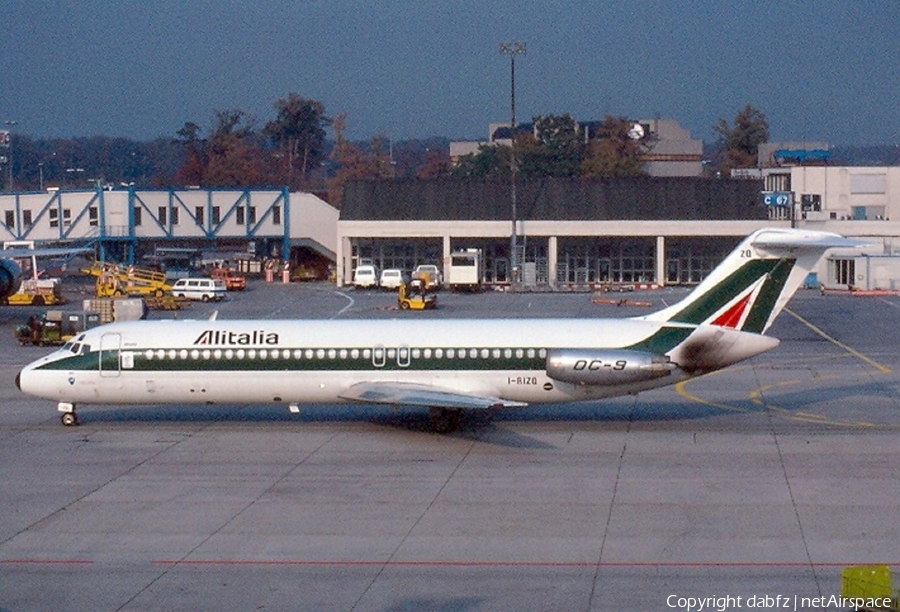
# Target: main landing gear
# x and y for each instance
(68, 418)
(445, 420)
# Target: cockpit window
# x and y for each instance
(76, 348)
(85, 348)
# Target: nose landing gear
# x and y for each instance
(68, 418)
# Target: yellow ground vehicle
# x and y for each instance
(113, 279)
(412, 296)
(37, 292)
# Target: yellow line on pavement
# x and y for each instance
(881, 368)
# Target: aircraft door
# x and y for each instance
(110, 365)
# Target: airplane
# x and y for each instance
(448, 366)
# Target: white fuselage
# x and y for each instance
(317, 361)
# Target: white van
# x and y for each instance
(204, 289)
(392, 278)
(365, 277)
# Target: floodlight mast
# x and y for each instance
(512, 49)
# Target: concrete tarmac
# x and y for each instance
(761, 481)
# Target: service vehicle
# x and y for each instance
(464, 271)
(37, 292)
(203, 289)
(55, 327)
(365, 277)
(392, 278)
(414, 296)
(234, 281)
(429, 274)
(114, 280)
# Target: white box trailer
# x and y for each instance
(464, 271)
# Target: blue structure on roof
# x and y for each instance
(802, 155)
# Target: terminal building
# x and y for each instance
(572, 233)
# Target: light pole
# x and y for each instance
(72, 172)
(512, 49)
(9, 159)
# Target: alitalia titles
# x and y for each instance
(219, 337)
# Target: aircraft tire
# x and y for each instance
(69, 419)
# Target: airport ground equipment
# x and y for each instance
(234, 281)
(166, 302)
(428, 274)
(37, 292)
(414, 296)
(55, 327)
(117, 308)
(464, 271)
(113, 279)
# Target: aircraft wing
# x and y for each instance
(411, 394)
(19, 253)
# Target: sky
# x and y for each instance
(820, 70)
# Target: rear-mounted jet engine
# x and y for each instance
(610, 367)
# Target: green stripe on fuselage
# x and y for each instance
(140, 362)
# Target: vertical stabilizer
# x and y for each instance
(755, 281)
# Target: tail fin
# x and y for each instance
(755, 281)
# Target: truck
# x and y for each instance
(234, 281)
(464, 271)
(430, 275)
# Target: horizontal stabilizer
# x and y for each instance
(794, 239)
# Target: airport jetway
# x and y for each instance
(265, 221)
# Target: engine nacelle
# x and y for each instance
(606, 367)
(10, 277)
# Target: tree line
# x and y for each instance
(293, 149)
